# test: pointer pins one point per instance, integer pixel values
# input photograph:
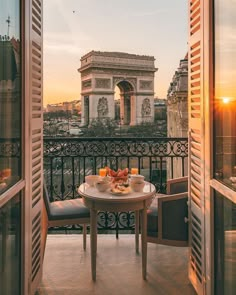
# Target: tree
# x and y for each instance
(58, 115)
(147, 129)
(104, 127)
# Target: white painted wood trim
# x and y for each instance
(11, 192)
(224, 190)
(208, 117)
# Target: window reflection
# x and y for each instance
(225, 92)
(10, 247)
(225, 245)
(10, 93)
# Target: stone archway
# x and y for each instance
(134, 74)
(126, 93)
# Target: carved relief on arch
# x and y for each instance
(146, 108)
(146, 84)
(132, 81)
(102, 107)
(102, 83)
(86, 84)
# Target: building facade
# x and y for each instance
(67, 106)
(9, 86)
(101, 72)
(177, 113)
(160, 115)
(177, 102)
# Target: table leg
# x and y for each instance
(144, 242)
(84, 235)
(137, 231)
(93, 243)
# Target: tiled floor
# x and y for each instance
(119, 270)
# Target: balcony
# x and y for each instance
(119, 269)
(68, 160)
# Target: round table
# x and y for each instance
(106, 201)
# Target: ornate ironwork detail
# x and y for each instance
(10, 148)
(109, 147)
(95, 148)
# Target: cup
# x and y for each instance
(137, 178)
(137, 186)
(134, 171)
(102, 185)
(102, 172)
(92, 179)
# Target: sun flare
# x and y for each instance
(225, 100)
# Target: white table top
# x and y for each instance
(93, 194)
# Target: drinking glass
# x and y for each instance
(134, 171)
(102, 172)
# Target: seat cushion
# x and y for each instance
(68, 209)
(179, 187)
(152, 219)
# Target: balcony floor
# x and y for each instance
(119, 269)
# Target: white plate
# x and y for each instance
(121, 193)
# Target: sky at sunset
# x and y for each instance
(10, 9)
(72, 28)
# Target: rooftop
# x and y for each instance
(110, 61)
(118, 54)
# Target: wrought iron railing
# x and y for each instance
(68, 160)
(10, 159)
(9, 148)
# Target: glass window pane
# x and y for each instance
(225, 92)
(10, 224)
(10, 93)
(225, 245)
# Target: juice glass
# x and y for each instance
(134, 171)
(102, 172)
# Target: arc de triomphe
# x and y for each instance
(134, 74)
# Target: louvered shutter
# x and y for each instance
(196, 147)
(34, 112)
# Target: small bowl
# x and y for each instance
(92, 179)
(137, 186)
(102, 186)
(136, 178)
